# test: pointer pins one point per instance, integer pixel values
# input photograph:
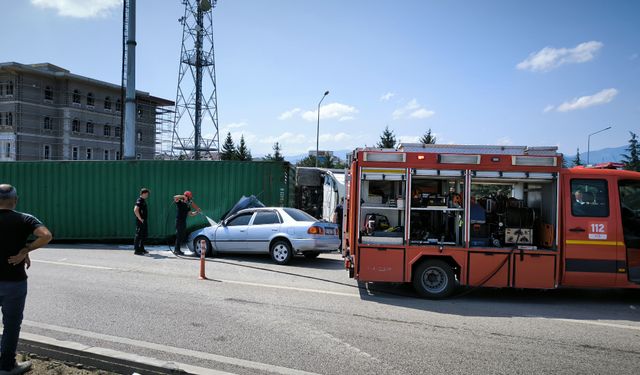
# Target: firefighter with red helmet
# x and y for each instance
(184, 207)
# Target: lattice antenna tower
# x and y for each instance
(195, 127)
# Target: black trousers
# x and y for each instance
(141, 236)
(181, 231)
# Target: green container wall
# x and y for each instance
(94, 200)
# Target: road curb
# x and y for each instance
(105, 359)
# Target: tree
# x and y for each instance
(277, 156)
(242, 151)
(577, 161)
(228, 149)
(309, 161)
(428, 139)
(387, 139)
(631, 159)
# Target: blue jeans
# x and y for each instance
(13, 295)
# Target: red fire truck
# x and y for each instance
(439, 216)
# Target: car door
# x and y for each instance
(232, 235)
(265, 225)
(590, 256)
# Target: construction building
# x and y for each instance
(48, 113)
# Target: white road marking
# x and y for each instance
(170, 349)
(272, 286)
(72, 264)
(290, 288)
(122, 355)
(594, 323)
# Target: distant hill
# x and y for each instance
(599, 156)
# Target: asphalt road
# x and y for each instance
(254, 317)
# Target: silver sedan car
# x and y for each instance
(280, 232)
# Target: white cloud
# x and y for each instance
(409, 139)
(412, 110)
(422, 113)
(289, 114)
(386, 97)
(550, 58)
(331, 110)
(340, 137)
(548, 108)
(346, 118)
(79, 8)
(231, 128)
(505, 141)
(602, 97)
(286, 137)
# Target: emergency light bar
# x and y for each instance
(458, 159)
(541, 161)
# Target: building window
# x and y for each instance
(76, 126)
(74, 153)
(118, 105)
(10, 88)
(46, 152)
(107, 103)
(139, 156)
(89, 153)
(139, 136)
(90, 100)
(76, 97)
(48, 93)
(107, 130)
(140, 112)
(89, 127)
(47, 123)
(117, 132)
(7, 150)
(106, 154)
(117, 155)
(8, 119)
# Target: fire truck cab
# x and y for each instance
(439, 216)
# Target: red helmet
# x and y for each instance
(188, 194)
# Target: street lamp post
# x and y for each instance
(318, 127)
(589, 141)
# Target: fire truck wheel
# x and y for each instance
(434, 279)
(281, 252)
(197, 247)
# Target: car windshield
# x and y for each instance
(298, 215)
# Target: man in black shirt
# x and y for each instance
(141, 212)
(15, 229)
(183, 208)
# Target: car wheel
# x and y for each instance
(311, 254)
(434, 279)
(281, 252)
(197, 247)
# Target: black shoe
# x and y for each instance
(178, 252)
(138, 253)
(145, 252)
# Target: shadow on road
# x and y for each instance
(587, 304)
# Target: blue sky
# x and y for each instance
(475, 72)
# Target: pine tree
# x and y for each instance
(277, 156)
(228, 149)
(428, 139)
(242, 152)
(631, 159)
(387, 139)
(577, 161)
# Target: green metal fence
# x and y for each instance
(94, 200)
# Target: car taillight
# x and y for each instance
(315, 230)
